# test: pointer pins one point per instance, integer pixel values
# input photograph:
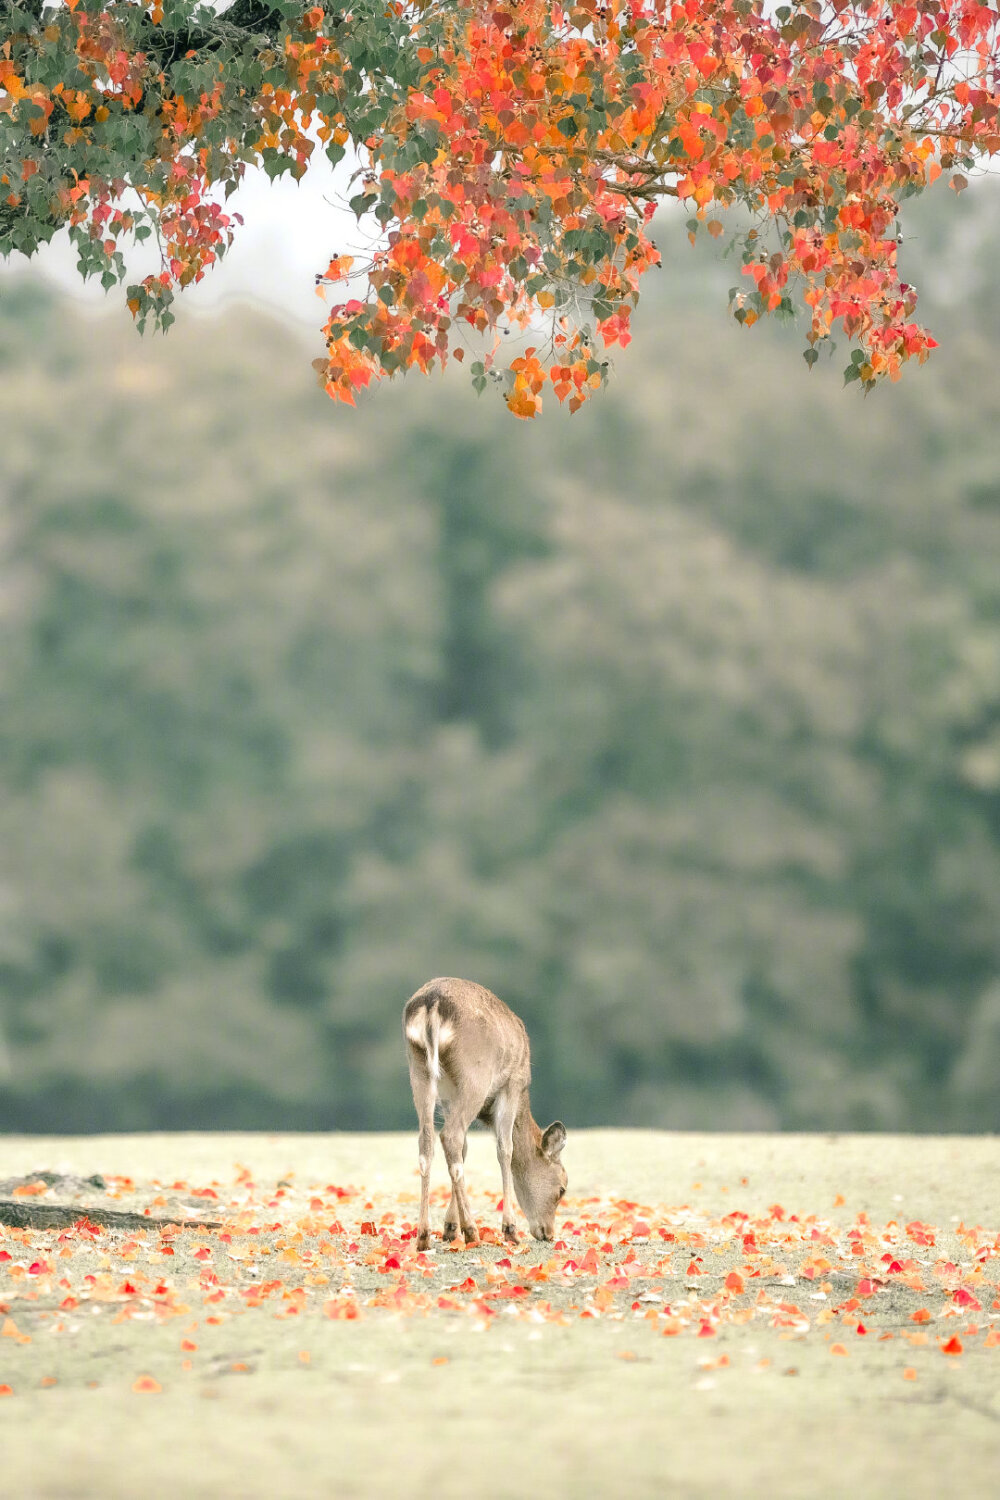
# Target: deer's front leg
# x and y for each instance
(503, 1123)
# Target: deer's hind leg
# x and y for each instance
(424, 1100)
(462, 1110)
(452, 1223)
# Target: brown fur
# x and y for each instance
(469, 1053)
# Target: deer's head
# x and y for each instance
(540, 1180)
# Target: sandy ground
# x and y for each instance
(652, 1376)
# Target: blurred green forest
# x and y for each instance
(677, 723)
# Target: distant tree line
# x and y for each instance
(677, 724)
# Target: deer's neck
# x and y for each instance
(526, 1135)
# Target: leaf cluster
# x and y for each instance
(511, 159)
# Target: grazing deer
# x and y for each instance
(469, 1053)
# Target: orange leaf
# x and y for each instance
(147, 1386)
(953, 1346)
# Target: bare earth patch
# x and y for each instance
(756, 1315)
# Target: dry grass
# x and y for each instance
(539, 1400)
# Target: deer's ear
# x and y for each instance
(554, 1140)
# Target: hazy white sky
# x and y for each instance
(290, 231)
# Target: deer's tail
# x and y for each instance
(423, 1032)
(433, 1041)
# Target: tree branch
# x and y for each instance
(20, 1215)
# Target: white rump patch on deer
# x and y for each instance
(416, 1031)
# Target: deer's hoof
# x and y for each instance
(510, 1234)
(471, 1235)
(423, 1240)
(449, 1232)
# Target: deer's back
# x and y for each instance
(478, 1032)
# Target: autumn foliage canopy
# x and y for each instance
(510, 156)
